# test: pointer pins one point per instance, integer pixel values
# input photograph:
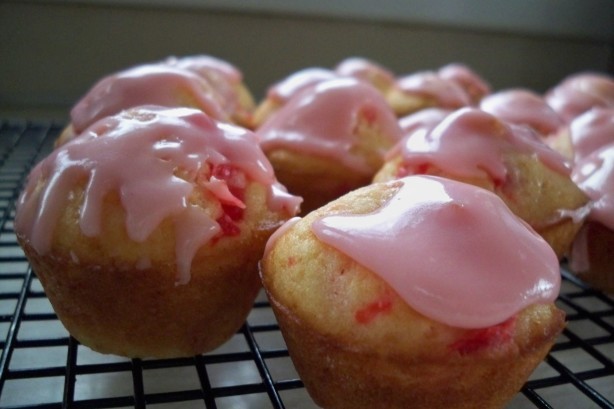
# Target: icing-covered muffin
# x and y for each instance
(591, 131)
(585, 134)
(473, 146)
(146, 230)
(413, 293)
(147, 84)
(329, 139)
(226, 80)
(474, 85)
(281, 92)
(580, 92)
(426, 89)
(367, 70)
(523, 107)
(591, 255)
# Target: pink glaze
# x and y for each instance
(321, 121)
(523, 107)
(425, 119)
(428, 84)
(452, 251)
(223, 77)
(300, 80)
(580, 92)
(474, 85)
(472, 143)
(137, 154)
(364, 69)
(422, 122)
(594, 174)
(210, 68)
(591, 130)
(151, 84)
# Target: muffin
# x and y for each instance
(329, 139)
(281, 92)
(474, 85)
(426, 89)
(367, 70)
(473, 146)
(146, 230)
(591, 255)
(146, 84)
(585, 134)
(226, 80)
(413, 293)
(580, 92)
(523, 107)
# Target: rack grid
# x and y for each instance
(42, 367)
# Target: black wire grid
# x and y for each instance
(42, 367)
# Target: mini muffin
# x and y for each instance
(473, 146)
(367, 70)
(585, 134)
(474, 85)
(146, 230)
(580, 92)
(353, 67)
(426, 89)
(227, 82)
(413, 293)
(147, 84)
(591, 255)
(329, 139)
(281, 92)
(523, 107)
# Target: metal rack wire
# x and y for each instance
(42, 367)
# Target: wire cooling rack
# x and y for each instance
(42, 367)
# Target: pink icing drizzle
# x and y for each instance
(471, 143)
(591, 130)
(580, 92)
(321, 120)
(452, 251)
(523, 107)
(447, 94)
(594, 174)
(136, 154)
(151, 84)
(474, 85)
